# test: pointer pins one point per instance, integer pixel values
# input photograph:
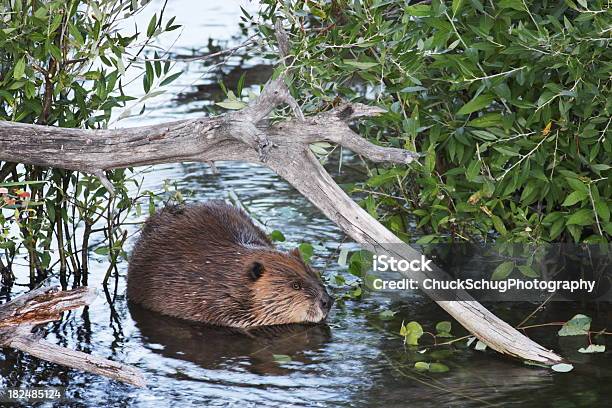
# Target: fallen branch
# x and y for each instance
(19, 317)
(284, 148)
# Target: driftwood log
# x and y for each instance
(46, 304)
(283, 147)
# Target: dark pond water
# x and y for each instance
(357, 359)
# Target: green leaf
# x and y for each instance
(386, 176)
(418, 10)
(577, 326)
(486, 121)
(528, 271)
(443, 329)
(152, 25)
(234, 105)
(577, 185)
(473, 170)
(421, 366)
(603, 210)
(412, 332)
(574, 198)
(277, 236)
(480, 346)
(386, 315)
(281, 358)
(583, 216)
(479, 102)
(170, 78)
(456, 6)
(502, 271)
(103, 250)
(411, 89)
(438, 368)
(557, 228)
(499, 225)
(513, 4)
(306, 250)
(19, 69)
(320, 148)
(360, 65)
(505, 151)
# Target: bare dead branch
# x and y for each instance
(19, 317)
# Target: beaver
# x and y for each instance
(210, 263)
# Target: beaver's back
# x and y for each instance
(184, 251)
(213, 221)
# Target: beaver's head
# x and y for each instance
(285, 290)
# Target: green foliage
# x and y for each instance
(64, 64)
(509, 101)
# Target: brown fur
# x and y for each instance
(210, 263)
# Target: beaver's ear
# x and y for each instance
(296, 252)
(256, 269)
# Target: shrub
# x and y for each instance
(509, 101)
(63, 64)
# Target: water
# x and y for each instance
(356, 359)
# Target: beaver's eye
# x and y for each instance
(297, 285)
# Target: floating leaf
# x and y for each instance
(421, 366)
(443, 329)
(438, 368)
(480, 346)
(386, 315)
(412, 332)
(562, 368)
(577, 326)
(593, 348)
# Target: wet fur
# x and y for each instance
(210, 263)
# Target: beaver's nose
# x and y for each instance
(326, 302)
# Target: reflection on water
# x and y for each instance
(357, 359)
(214, 347)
